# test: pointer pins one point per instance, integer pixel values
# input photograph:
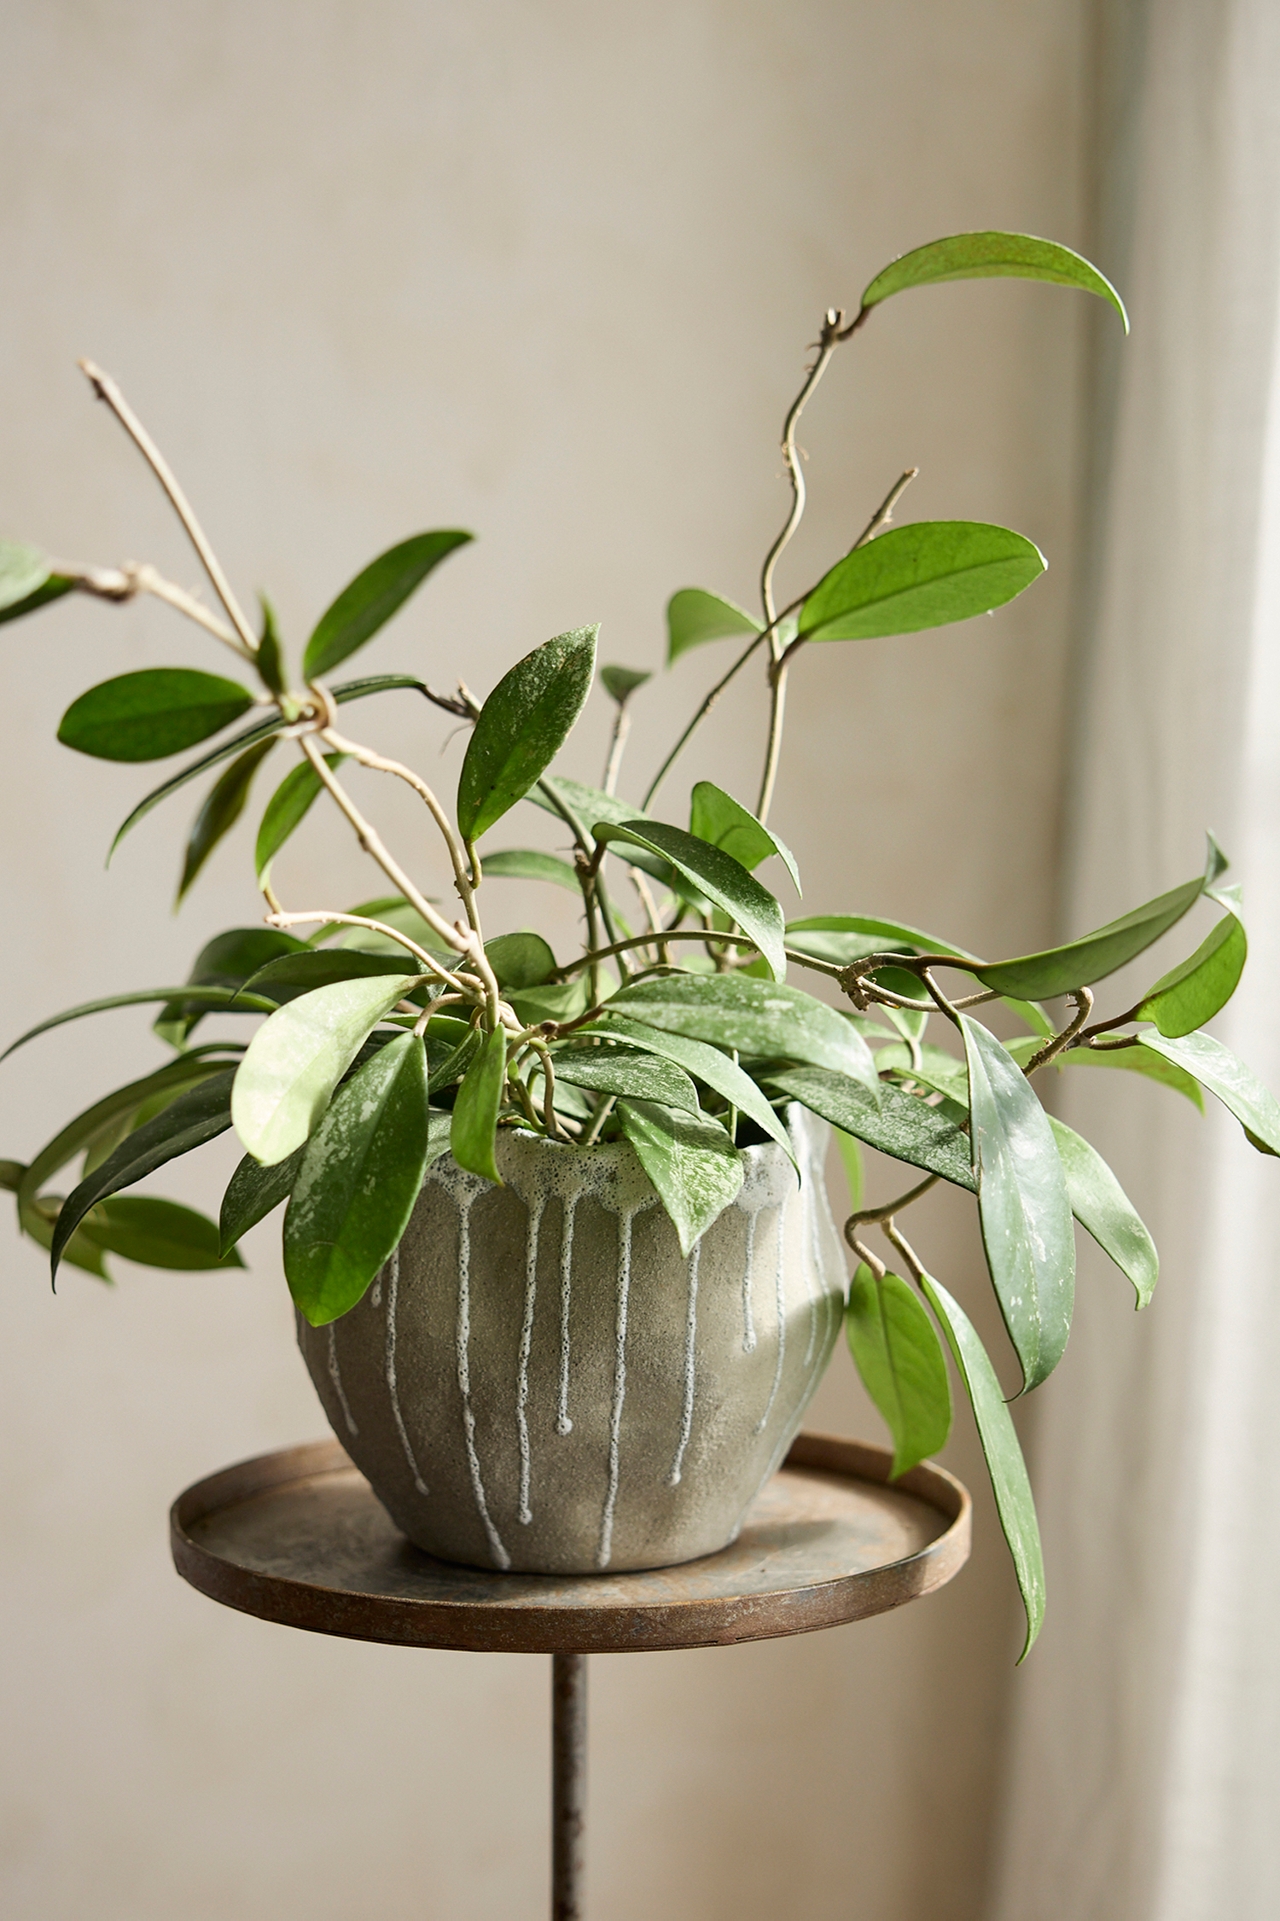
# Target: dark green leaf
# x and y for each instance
(11, 1173)
(981, 256)
(475, 1112)
(270, 658)
(716, 817)
(621, 682)
(297, 1058)
(902, 1126)
(897, 1352)
(1057, 970)
(360, 1176)
(208, 997)
(158, 1233)
(1101, 1205)
(1009, 1482)
(716, 874)
(707, 1064)
(579, 805)
(1234, 1084)
(228, 960)
(81, 1250)
(373, 596)
(693, 1164)
(302, 973)
(287, 809)
(526, 863)
(520, 960)
(522, 727)
(27, 581)
(253, 1191)
(1022, 1204)
(220, 810)
(636, 1073)
(693, 615)
(763, 1018)
(451, 1047)
(155, 712)
(927, 574)
(195, 1117)
(563, 1001)
(1194, 992)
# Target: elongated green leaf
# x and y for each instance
(931, 1067)
(897, 1352)
(527, 863)
(376, 593)
(520, 960)
(158, 1233)
(522, 727)
(695, 616)
(928, 574)
(1101, 1205)
(53, 589)
(1192, 993)
(850, 1152)
(621, 682)
(303, 973)
(707, 1064)
(1022, 1204)
(716, 817)
(1226, 1077)
(228, 960)
(394, 913)
(81, 1251)
(561, 1001)
(475, 1112)
(208, 997)
(692, 1163)
(982, 256)
(716, 874)
(197, 1116)
(579, 806)
(1008, 1471)
(220, 810)
(451, 1047)
(767, 1019)
(1057, 970)
(287, 809)
(900, 1125)
(360, 1176)
(27, 581)
(158, 711)
(253, 1192)
(270, 657)
(632, 1071)
(1135, 1060)
(297, 1058)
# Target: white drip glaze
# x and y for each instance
(619, 1381)
(335, 1375)
(524, 1513)
(570, 1203)
(392, 1271)
(690, 1344)
(465, 1200)
(780, 1297)
(748, 1276)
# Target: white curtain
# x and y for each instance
(1144, 1750)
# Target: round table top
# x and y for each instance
(299, 1537)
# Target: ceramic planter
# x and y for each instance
(540, 1380)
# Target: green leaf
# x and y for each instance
(843, 938)
(854, 1172)
(451, 1047)
(581, 805)
(714, 873)
(27, 581)
(526, 863)
(1191, 994)
(146, 715)
(1009, 1482)
(1022, 1204)
(982, 256)
(621, 682)
(763, 1018)
(716, 817)
(1058, 970)
(562, 1001)
(373, 596)
(631, 1071)
(81, 1250)
(158, 1233)
(932, 1067)
(270, 656)
(219, 812)
(207, 997)
(693, 1164)
(707, 1064)
(520, 960)
(197, 1116)
(1234, 1084)
(253, 1192)
(927, 574)
(522, 727)
(1101, 1205)
(475, 1111)
(902, 1125)
(393, 912)
(359, 1179)
(1135, 1060)
(228, 960)
(694, 616)
(898, 1354)
(297, 1058)
(303, 973)
(287, 809)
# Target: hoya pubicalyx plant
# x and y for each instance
(394, 1031)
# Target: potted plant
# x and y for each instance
(556, 1229)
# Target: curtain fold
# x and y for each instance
(1143, 1779)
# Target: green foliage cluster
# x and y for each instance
(394, 1033)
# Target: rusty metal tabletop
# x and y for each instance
(300, 1538)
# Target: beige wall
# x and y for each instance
(547, 271)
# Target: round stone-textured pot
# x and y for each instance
(539, 1380)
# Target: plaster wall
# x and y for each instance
(548, 272)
